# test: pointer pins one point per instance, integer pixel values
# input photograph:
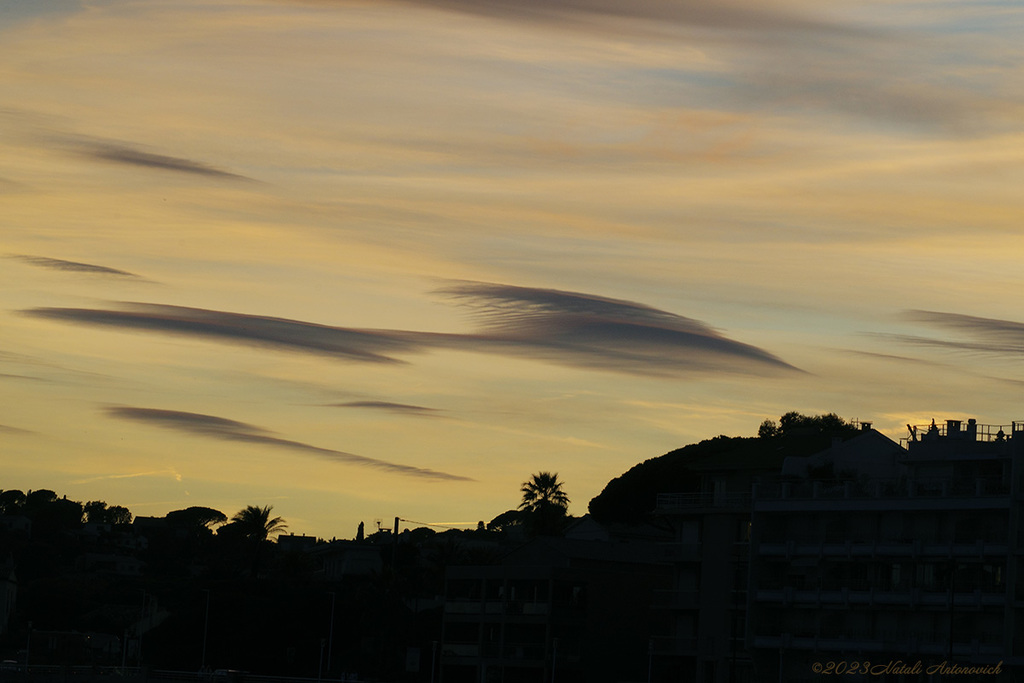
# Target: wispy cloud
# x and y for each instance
(133, 156)
(569, 328)
(362, 345)
(987, 335)
(14, 431)
(71, 266)
(231, 430)
(387, 406)
(133, 475)
(746, 16)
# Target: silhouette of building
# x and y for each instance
(707, 602)
(561, 609)
(872, 552)
(8, 595)
(341, 559)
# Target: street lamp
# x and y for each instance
(330, 637)
(206, 628)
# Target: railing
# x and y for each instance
(960, 429)
(922, 487)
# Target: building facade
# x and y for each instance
(860, 557)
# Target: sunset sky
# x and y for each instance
(359, 260)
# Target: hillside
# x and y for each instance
(631, 497)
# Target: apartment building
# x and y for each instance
(876, 552)
(556, 609)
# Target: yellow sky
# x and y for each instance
(367, 259)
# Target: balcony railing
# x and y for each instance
(945, 487)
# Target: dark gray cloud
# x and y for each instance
(353, 344)
(401, 408)
(132, 156)
(597, 332)
(72, 266)
(569, 328)
(232, 430)
(986, 335)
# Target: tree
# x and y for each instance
(196, 517)
(543, 490)
(11, 502)
(797, 424)
(95, 511)
(545, 504)
(118, 514)
(255, 524)
(768, 429)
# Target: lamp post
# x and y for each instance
(554, 658)
(206, 628)
(330, 637)
(320, 672)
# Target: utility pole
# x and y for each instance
(394, 546)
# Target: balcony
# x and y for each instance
(879, 495)
(872, 548)
(862, 595)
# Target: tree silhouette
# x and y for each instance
(197, 517)
(545, 504)
(255, 524)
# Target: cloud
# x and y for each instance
(569, 328)
(401, 408)
(132, 156)
(15, 431)
(132, 475)
(987, 335)
(597, 332)
(231, 430)
(352, 344)
(72, 266)
(748, 16)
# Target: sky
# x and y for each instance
(364, 260)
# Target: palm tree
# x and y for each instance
(256, 525)
(544, 502)
(543, 490)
